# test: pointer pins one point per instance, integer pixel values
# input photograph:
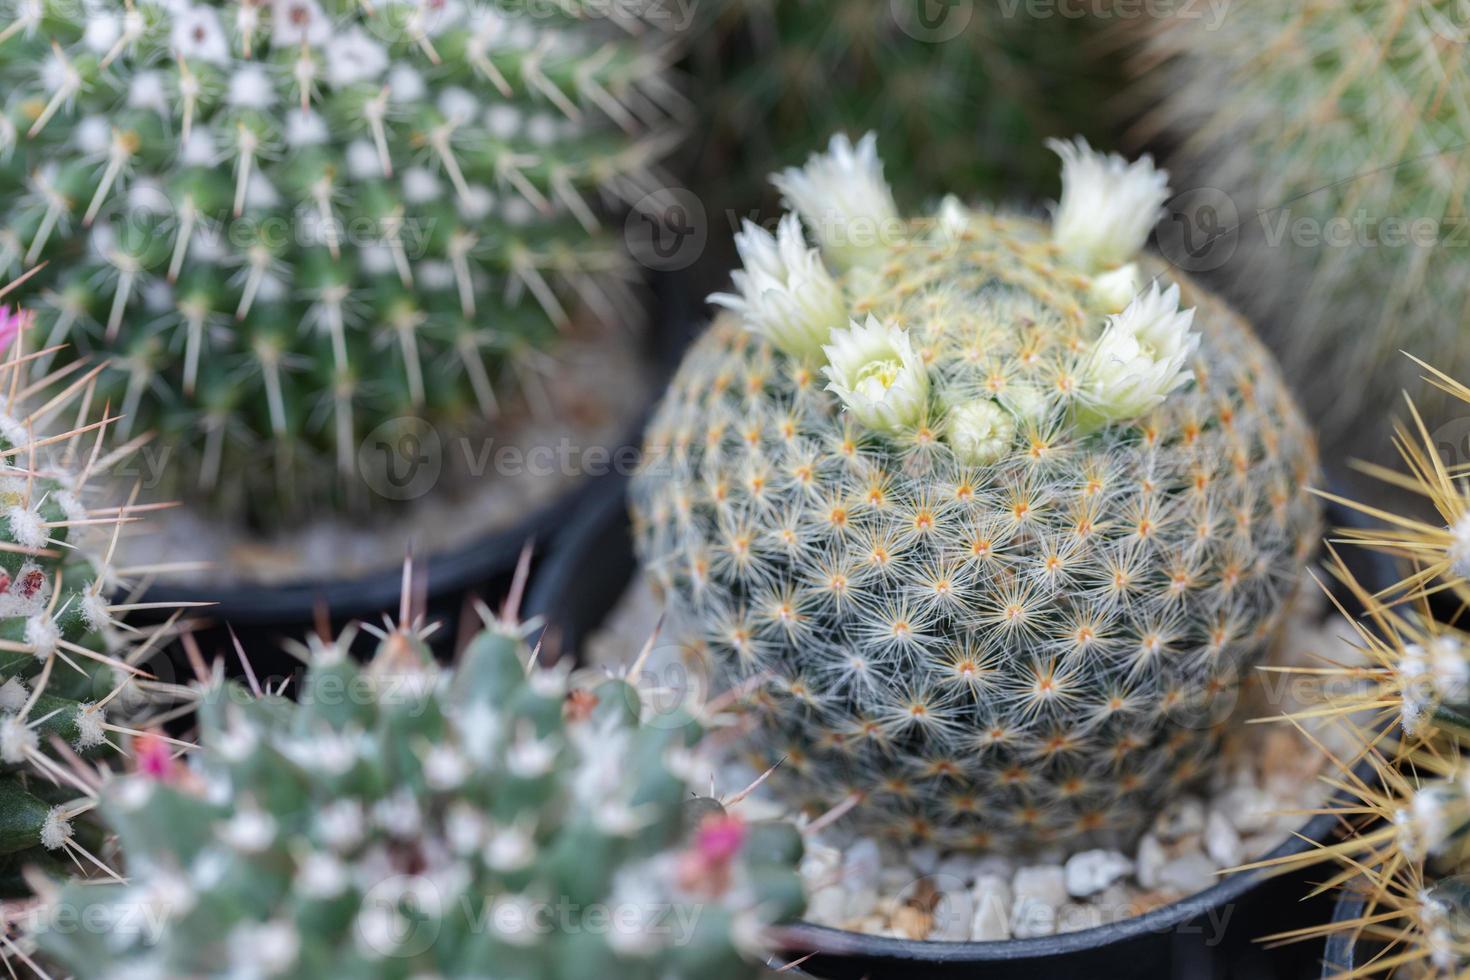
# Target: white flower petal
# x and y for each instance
(874, 369)
(1142, 355)
(980, 431)
(786, 293)
(845, 202)
(1108, 205)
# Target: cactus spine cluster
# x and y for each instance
(961, 94)
(288, 222)
(71, 682)
(986, 529)
(403, 819)
(1335, 131)
(1406, 705)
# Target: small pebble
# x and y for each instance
(1039, 891)
(1181, 818)
(1248, 807)
(862, 865)
(1090, 872)
(953, 916)
(992, 897)
(1188, 874)
(962, 867)
(1073, 917)
(1222, 841)
(1150, 861)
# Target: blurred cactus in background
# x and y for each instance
(72, 681)
(401, 819)
(1333, 135)
(289, 222)
(961, 94)
(986, 515)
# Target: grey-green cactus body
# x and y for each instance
(289, 222)
(1032, 650)
(406, 820)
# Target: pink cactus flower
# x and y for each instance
(153, 758)
(704, 869)
(12, 322)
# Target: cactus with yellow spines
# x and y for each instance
(985, 514)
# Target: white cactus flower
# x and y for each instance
(844, 200)
(1108, 205)
(786, 293)
(874, 369)
(1113, 291)
(1458, 552)
(1141, 356)
(980, 431)
(952, 218)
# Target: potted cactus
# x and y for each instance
(1405, 907)
(327, 246)
(73, 680)
(985, 517)
(494, 817)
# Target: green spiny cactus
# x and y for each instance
(70, 679)
(404, 819)
(1404, 707)
(289, 222)
(1337, 130)
(962, 94)
(990, 555)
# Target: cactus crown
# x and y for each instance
(1330, 128)
(70, 679)
(985, 525)
(291, 221)
(496, 818)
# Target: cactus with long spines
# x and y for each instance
(401, 818)
(289, 222)
(1404, 706)
(1336, 130)
(72, 682)
(984, 528)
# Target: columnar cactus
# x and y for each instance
(70, 679)
(404, 819)
(1407, 708)
(1322, 143)
(962, 94)
(986, 526)
(288, 222)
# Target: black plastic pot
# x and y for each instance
(451, 581)
(1210, 936)
(1341, 955)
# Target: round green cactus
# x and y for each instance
(404, 819)
(988, 530)
(70, 678)
(287, 223)
(1326, 139)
